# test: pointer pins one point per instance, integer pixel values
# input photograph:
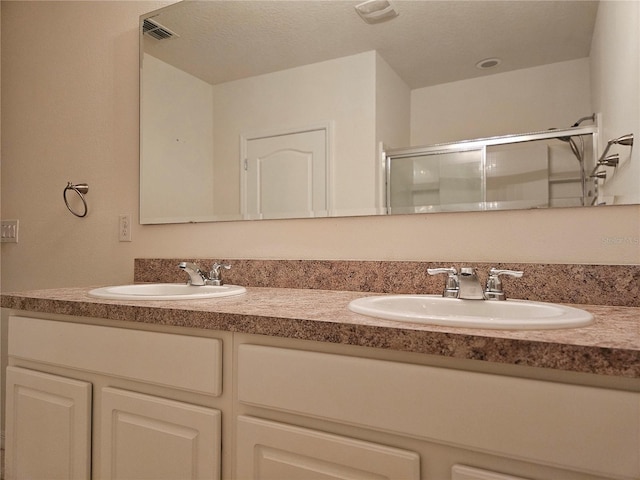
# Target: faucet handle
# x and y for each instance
(436, 271)
(451, 286)
(493, 290)
(215, 276)
(495, 272)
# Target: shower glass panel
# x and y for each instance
(517, 176)
(437, 181)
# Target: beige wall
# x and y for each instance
(70, 112)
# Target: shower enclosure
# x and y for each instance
(532, 170)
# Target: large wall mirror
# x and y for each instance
(290, 109)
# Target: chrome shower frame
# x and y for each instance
(482, 143)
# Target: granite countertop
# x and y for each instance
(610, 346)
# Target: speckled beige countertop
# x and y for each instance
(610, 346)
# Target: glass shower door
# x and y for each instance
(443, 181)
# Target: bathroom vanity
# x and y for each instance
(288, 383)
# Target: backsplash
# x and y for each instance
(580, 284)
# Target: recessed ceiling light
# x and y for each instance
(376, 11)
(488, 63)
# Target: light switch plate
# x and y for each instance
(9, 231)
(124, 228)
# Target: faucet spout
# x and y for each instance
(469, 285)
(196, 277)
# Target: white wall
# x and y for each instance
(527, 100)
(70, 112)
(616, 89)
(177, 145)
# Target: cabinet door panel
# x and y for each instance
(274, 451)
(48, 426)
(146, 437)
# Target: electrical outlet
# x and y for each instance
(124, 228)
(9, 231)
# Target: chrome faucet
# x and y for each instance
(198, 278)
(469, 287)
(466, 285)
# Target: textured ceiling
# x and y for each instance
(429, 43)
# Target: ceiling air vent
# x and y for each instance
(155, 30)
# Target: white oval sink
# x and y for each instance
(437, 310)
(165, 291)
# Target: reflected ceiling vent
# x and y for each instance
(488, 63)
(157, 31)
(376, 11)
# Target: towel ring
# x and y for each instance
(80, 189)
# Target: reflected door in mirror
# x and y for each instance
(286, 175)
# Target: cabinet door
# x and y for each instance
(48, 426)
(275, 451)
(146, 437)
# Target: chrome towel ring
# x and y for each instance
(81, 189)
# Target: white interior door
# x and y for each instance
(285, 175)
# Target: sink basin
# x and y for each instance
(437, 310)
(165, 291)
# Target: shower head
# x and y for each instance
(609, 161)
(626, 140)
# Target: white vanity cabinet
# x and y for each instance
(442, 417)
(102, 401)
(88, 401)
